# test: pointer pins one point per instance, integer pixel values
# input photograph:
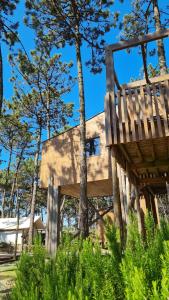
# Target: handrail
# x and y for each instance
(143, 82)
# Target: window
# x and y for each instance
(93, 147)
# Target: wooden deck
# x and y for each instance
(138, 111)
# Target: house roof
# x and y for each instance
(24, 222)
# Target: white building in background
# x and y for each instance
(8, 228)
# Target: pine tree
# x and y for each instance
(74, 23)
(8, 34)
(47, 80)
(14, 138)
(145, 15)
(50, 77)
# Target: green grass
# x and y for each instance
(7, 278)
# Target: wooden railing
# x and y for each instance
(138, 111)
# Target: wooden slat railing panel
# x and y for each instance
(139, 113)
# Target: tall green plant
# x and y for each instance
(81, 271)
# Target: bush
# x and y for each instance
(80, 271)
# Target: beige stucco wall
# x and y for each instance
(61, 156)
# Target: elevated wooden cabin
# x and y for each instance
(61, 160)
(127, 148)
(137, 120)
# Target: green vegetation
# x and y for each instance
(7, 279)
(80, 270)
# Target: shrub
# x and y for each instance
(80, 271)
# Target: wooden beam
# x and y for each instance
(139, 41)
(125, 153)
(152, 164)
(155, 180)
(127, 157)
(153, 151)
(139, 152)
(116, 81)
(110, 75)
(142, 82)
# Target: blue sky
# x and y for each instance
(127, 66)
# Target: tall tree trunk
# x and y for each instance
(35, 186)
(17, 222)
(1, 80)
(83, 203)
(48, 116)
(160, 43)
(14, 182)
(6, 180)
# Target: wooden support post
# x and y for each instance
(153, 208)
(167, 187)
(116, 196)
(53, 218)
(138, 210)
(128, 193)
(157, 210)
(121, 190)
(110, 75)
(48, 231)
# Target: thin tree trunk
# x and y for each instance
(17, 222)
(83, 203)
(160, 43)
(1, 80)
(35, 186)
(48, 116)
(6, 180)
(14, 182)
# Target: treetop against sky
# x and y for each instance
(127, 66)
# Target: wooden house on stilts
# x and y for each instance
(127, 147)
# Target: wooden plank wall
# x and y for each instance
(139, 111)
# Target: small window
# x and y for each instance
(93, 147)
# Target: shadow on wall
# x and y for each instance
(61, 156)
